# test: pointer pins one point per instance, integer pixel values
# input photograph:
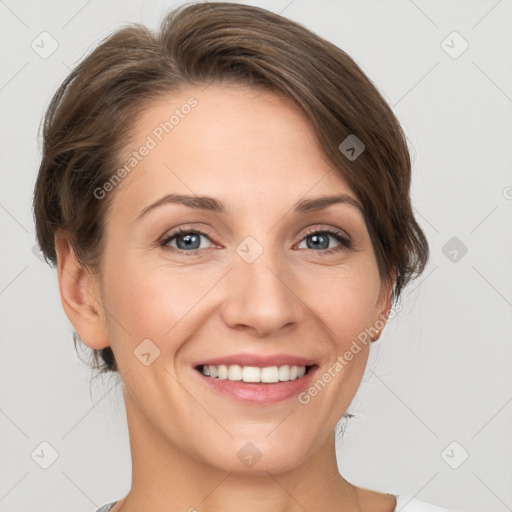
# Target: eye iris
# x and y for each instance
(316, 238)
(190, 240)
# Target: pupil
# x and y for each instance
(316, 239)
(188, 241)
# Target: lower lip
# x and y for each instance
(259, 393)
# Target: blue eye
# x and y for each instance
(320, 239)
(188, 241)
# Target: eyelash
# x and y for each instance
(345, 242)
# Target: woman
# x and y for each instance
(227, 205)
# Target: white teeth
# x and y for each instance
(235, 372)
(268, 374)
(284, 372)
(251, 374)
(222, 372)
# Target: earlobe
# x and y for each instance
(80, 295)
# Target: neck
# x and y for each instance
(166, 478)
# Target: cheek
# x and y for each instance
(154, 301)
(345, 301)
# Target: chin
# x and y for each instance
(259, 456)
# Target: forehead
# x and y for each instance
(227, 141)
(224, 120)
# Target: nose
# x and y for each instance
(260, 297)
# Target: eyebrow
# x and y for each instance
(214, 205)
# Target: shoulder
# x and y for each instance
(394, 502)
(408, 504)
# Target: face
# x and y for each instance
(257, 281)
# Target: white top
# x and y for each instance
(408, 504)
(403, 504)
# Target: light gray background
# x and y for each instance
(440, 373)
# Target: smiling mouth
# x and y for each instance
(254, 374)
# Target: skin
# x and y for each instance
(255, 152)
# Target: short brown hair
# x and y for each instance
(85, 126)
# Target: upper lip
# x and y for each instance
(258, 360)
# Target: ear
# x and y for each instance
(383, 306)
(80, 295)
